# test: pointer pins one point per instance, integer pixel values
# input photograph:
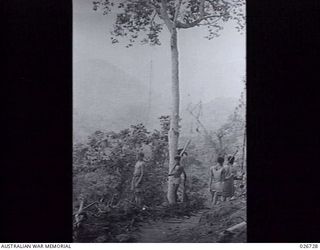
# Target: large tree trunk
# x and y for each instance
(174, 118)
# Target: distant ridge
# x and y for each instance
(107, 98)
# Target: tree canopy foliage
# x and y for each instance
(143, 20)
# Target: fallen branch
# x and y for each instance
(236, 227)
(132, 203)
(82, 209)
(206, 132)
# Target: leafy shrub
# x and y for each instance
(104, 165)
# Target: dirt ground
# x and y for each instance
(205, 226)
(172, 225)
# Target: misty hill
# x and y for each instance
(105, 97)
(215, 114)
(108, 98)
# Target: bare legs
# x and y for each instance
(175, 189)
(214, 198)
(224, 198)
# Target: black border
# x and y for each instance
(36, 185)
(283, 138)
(283, 133)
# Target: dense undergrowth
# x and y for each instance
(103, 168)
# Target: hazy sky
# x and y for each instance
(208, 68)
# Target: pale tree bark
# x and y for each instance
(173, 135)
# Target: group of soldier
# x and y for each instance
(221, 185)
(222, 180)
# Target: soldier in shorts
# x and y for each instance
(176, 173)
(136, 184)
(216, 182)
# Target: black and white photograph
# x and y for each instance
(159, 121)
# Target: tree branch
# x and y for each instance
(201, 8)
(203, 16)
(164, 15)
(81, 209)
(199, 122)
(152, 18)
(176, 14)
(196, 22)
(206, 132)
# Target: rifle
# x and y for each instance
(182, 152)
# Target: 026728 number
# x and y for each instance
(308, 245)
